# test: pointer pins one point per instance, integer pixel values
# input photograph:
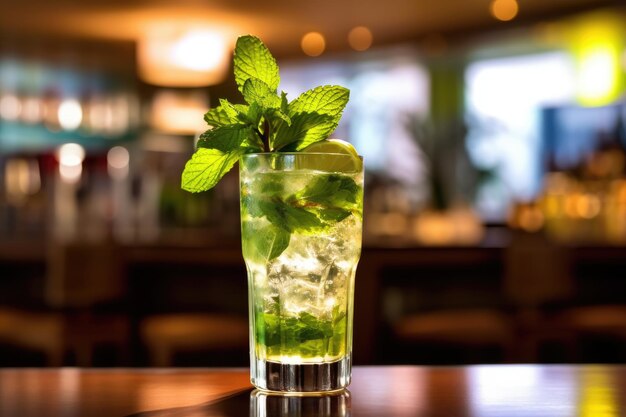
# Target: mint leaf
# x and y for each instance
(253, 60)
(252, 194)
(315, 114)
(206, 167)
(284, 103)
(290, 218)
(218, 150)
(332, 191)
(229, 114)
(219, 116)
(231, 110)
(238, 113)
(306, 335)
(311, 328)
(252, 115)
(333, 214)
(277, 116)
(323, 202)
(331, 197)
(265, 244)
(256, 91)
(328, 99)
(305, 128)
(224, 138)
(231, 137)
(246, 115)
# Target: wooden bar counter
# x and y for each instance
(478, 391)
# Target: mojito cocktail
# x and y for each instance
(301, 221)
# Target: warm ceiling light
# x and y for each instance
(504, 10)
(179, 112)
(360, 38)
(183, 58)
(198, 51)
(313, 44)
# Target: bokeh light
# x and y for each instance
(70, 114)
(360, 38)
(32, 110)
(10, 107)
(70, 157)
(199, 51)
(118, 159)
(176, 56)
(504, 10)
(313, 44)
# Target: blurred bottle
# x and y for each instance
(588, 202)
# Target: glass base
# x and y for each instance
(280, 404)
(306, 378)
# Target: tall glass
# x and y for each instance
(301, 223)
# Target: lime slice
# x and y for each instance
(351, 162)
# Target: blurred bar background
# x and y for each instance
(493, 134)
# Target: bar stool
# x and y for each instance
(469, 330)
(86, 282)
(166, 335)
(41, 332)
(588, 322)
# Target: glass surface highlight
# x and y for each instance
(301, 222)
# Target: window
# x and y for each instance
(386, 89)
(503, 102)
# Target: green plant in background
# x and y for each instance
(442, 137)
(443, 147)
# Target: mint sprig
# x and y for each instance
(305, 335)
(324, 201)
(267, 123)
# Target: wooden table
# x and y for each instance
(478, 391)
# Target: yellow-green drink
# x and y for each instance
(301, 222)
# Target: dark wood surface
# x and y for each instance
(477, 391)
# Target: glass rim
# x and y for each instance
(283, 154)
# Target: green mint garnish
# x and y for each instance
(321, 109)
(325, 201)
(330, 191)
(267, 123)
(268, 243)
(210, 163)
(305, 335)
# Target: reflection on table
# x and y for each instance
(477, 391)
